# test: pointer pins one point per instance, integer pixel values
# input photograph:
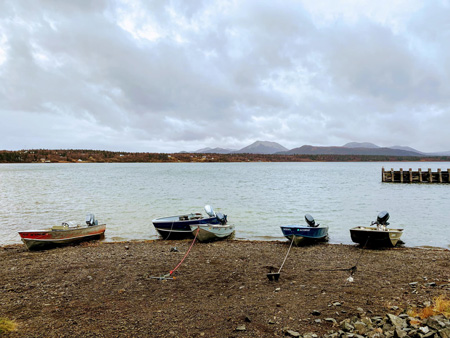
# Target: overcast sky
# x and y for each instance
(166, 76)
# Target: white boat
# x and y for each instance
(212, 232)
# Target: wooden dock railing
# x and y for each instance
(419, 176)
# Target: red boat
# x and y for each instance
(63, 234)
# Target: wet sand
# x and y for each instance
(100, 289)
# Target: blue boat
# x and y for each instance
(179, 227)
(303, 234)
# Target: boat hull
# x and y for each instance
(367, 236)
(212, 232)
(304, 234)
(175, 227)
(43, 239)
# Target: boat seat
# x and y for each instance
(195, 216)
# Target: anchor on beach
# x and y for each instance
(163, 277)
(174, 249)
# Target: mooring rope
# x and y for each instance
(170, 232)
(292, 241)
(169, 275)
(362, 251)
(172, 271)
(352, 269)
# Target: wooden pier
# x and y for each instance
(409, 176)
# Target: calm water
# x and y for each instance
(257, 197)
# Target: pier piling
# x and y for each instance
(419, 176)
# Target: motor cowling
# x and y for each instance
(209, 210)
(310, 220)
(90, 220)
(221, 218)
(383, 217)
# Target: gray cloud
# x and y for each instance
(168, 76)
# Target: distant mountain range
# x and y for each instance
(352, 148)
(258, 147)
(262, 147)
(311, 150)
(214, 151)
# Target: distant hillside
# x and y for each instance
(351, 148)
(360, 145)
(440, 153)
(406, 148)
(102, 156)
(214, 151)
(262, 147)
(311, 150)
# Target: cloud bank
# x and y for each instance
(166, 76)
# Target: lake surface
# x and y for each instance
(257, 197)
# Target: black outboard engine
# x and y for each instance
(90, 220)
(221, 218)
(310, 220)
(382, 218)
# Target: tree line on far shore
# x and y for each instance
(102, 156)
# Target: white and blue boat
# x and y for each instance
(179, 227)
(303, 234)
(212, 232)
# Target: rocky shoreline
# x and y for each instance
(101, 289)
(437, 326)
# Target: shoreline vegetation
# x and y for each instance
(102, 289)
(101, 156)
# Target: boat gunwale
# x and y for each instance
(61, 239)
(368, 229)
(167, 219)
(201, 225)
(173, 230)
(58, 230)
(304, 227)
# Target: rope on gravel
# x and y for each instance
(292, 241)
(172, 271)
(352, 270)
(169, 275)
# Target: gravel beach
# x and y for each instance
(100, 289)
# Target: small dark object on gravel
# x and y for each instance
(273, 276)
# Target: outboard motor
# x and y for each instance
(209, 210)
(310, 220)
(382, 218)
(90, 220)
(221, 218)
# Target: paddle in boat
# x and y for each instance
(63, 234)
(179, 227)
(304, 234)
(379, 236)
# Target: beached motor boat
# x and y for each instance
(303, 234)
(63, 234)
(178, 227)
(379, 236)
(212, 232)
